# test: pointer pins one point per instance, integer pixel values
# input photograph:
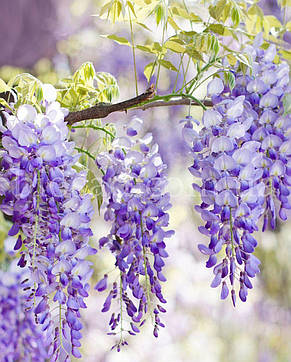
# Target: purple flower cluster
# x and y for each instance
(242, 159)
(42, 192)
(20, 338)
(134, 180)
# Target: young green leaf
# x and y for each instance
(148, 70)
(167, 64)
(175, 46)
(119, 39)
(3, 86)
(287, 103)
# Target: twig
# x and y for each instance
(144, 101)
(102, 110)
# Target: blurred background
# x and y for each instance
(51, 39)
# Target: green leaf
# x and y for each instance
(189, 33)
(273, 21)
(235, 17)
(105, 8)
(107, 87)
(131, 6)
(286, 54)
(3, 86)
(243, 58)
(217, 28)
(231, 59)
(143, 25)
(177, 10)
(229, 79)
(95, 188)
(39, 94)
(217, 10)
(119, 39)
(5, 104)
(145, 48)
(148, 70)
(159, 12)
(287, 103)
(175, 46)
(167, 64)
(255, 10)
(173, 24)
(193, 53)
(157, 46)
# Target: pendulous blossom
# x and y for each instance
(42, 193)
(241, 160)
(21, 339)
(134, 181)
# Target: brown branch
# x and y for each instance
(102, 110)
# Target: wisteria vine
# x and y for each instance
(42, 194)
(21, 339)
(134, 180)
(242, 158)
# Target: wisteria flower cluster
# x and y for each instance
(134, 180)
(42, 194)
(20, 338)
(242, 159)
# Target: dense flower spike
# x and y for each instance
(242, 158)
(42, 193)
(20, 338)
(134, 180)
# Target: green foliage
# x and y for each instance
(28, 89)
(287, 103)
(4, 228)
(199, 31)
(86, 88)
(93, 186)
(3, 86)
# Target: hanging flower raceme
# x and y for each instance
(242, 159)
(20, 338)
(134, 180)
(42, 193)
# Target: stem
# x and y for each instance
(163, 40)
(198, 76)
(60, 325)
(120, 291)
(97, 128)
(153, 68)
(144, 263)
(35, 230)
(176, 80)
(186, 71)
(36, 218)
(198, 85)
(231, 232)
(86, 152)
(133, 52)
(194, 99)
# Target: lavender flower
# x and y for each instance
(134, 180)
(42, 193)
(241, 157)
(21, 339)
